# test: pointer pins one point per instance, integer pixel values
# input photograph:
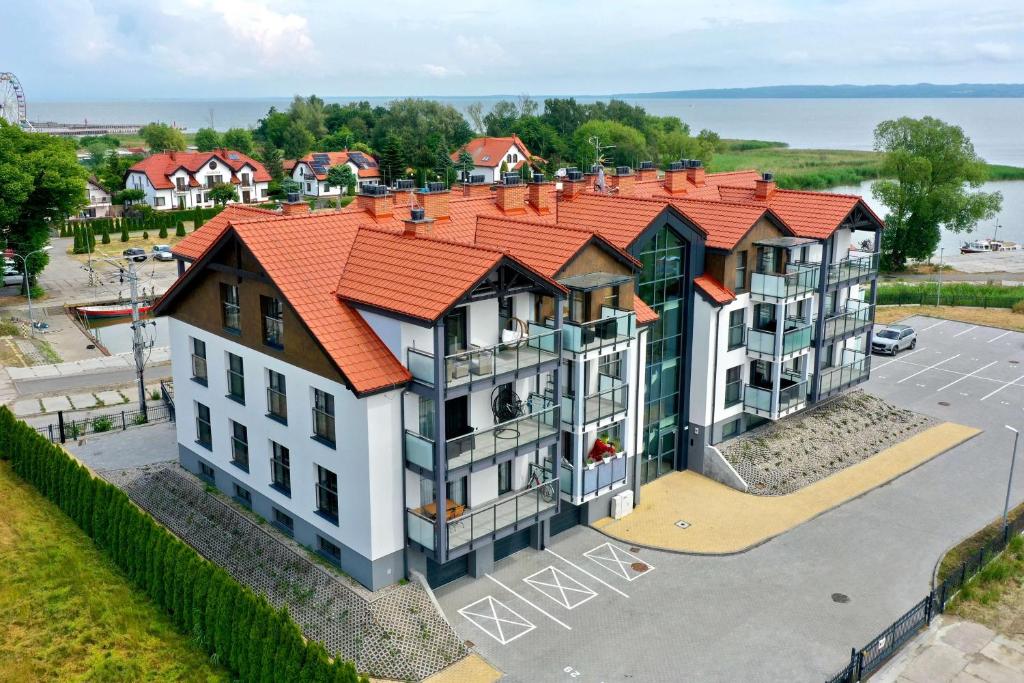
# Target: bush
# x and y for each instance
(179, 230)
(1018, 307)
(236, 627)
(124, 232)
(145, 235)
(102, 424)
(163, 232)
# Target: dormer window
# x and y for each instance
(180, 182)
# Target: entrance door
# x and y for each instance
(455, 331)
(245, 196)
(661, 453)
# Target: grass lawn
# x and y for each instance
(992, 317)
(67, 614)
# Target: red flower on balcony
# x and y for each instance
(599, 450)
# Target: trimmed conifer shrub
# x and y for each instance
(179, 230)
(124, 233)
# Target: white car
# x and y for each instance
(162, 252)
(894, 339)
(12, 277)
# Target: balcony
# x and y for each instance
(482, 447)
(800, 280)
(856, 368)
(796, 338)
(792, 396)
(597, 478)
(614, 327)
(855, 318)
(853, 269)
(477, 365)
(608, 402)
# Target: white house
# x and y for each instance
(98, 199)
(183, 180)
(490, 153)
(310, 172)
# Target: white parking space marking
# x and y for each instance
(497, 620)
(560, 587)
(934, 325)
(1007, 384)
(966, 376)
(617, 561)
(584, 571)
(999, 337)
(930, 367)
(906, 355)
(972, 327)
(539, 609)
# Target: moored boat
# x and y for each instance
(986, 246)
(110, 310)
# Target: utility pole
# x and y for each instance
(138, 342)
(1009, 483)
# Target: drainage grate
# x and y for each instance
(683, 524)
(841, 598)
(944, 403)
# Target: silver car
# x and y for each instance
(894, 339)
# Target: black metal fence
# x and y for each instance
(868, 659)
(71, 428)
(902, 297)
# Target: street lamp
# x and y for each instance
(28, 287)
(1009, 483)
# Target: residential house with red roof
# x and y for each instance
(97, 200)
(492, 154)
(183, 180)
(432, 380)
(310, 172)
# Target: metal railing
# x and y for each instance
(796, 337)
(420, 528)
(479, 523)
(856, 366)
(759, 399)
(855, 314)
(476, 363)
(612, 327)
(71, 428)
(792, 396)
(852, 268)
(609, 400)
(800, 278)
(598, 477)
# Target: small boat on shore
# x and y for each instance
(110, 310)
(987, 246)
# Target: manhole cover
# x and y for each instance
(1013, 362)
(634, 549)
(683, 524)
(944, 403)
(841, 598)
(470, 643)
(639, 567)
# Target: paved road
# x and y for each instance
(134, 447)
(768, 614)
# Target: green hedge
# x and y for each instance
(153, 221)
(239, 629)
(953, 294)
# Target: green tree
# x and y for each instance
(179, 230)
(129, 196)
(932, 166)
(342, 176)
(297, 141)
(392, 159)
(163, 231)
(222, 193)
(197, 218)
(124, 232)
(466, 163)
(630, 143)
(78, 247)
(112, 171)
(160, 137)
(207, 139)
(272, 161)
(40, 181)
(238, 139)
(106, 232)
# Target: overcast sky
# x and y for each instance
(133, 49)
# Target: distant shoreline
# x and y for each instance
(910, 91)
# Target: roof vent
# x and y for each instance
(511, 179)
(623, 170)
(418, 213)
(677, 165)
(405, 184)
(573, 174)
(538, 177)
(477, 179)
(693, 163)
(374, 190)
(293, 197)
(593, 168)
(768, 177)
(434, 187)
(646, 165)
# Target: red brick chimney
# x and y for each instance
(476, 189)
(646, 172)
(538, 194)
(511, 196)
(695, 172)
(572, 184)
(375, 200)
(675, 178)
(294, 206)
(624, 180)
(416, 222)
(764, 187)
(434, 200)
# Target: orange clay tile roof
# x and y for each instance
(714, 289)
(808, 214)
(158, 167)
(619, 219)
(645, 315)
(193, 246)
(656, 188)
(419, 277)
(336, 158)
(725, 223)
(490, 152)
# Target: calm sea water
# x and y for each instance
(992, 124)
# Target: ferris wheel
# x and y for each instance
(13, 108)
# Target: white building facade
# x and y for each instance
(183, 180)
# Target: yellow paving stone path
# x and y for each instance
(470, 669)
(723, 520)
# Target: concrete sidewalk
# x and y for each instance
(106, 371)
(722, 520)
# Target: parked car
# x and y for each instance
(135, 254)
(162, 252)
(12, 276)
(894, 339)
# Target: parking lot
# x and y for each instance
(593, 609)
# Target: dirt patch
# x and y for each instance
(783, 457)
(991, 317)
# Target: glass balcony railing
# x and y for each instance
(421, 528)
(600, 477)
(852, 268)
(856, 367)
(796, 337)
(478, 362)
(759, 399)
(856, 314)
(607, 401)
(792, 396)
(613, 327)
(481, 522)
(799, 279)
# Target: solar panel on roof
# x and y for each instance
(321, 158)
(319, 169)
(233, 156)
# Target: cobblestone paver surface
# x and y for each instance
(785, 456)
(394, 633)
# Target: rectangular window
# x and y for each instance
(610, 365)
(206, 472)
(236, 378)
(280, 468)
(327, 494)
(733, 386)
(284, 522)
(323, 415)
(740, 281)
(264, 192)
(504, 478)
(273, 321)
(737, 323)
(180, 182)
(245, 179)
(159, 201)
(204, 435)
(426, 415)
(239, 446)
(327, 187)
(243, 496)
(199, 361)
(230, 310)
(329, 550)
(277, 397)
